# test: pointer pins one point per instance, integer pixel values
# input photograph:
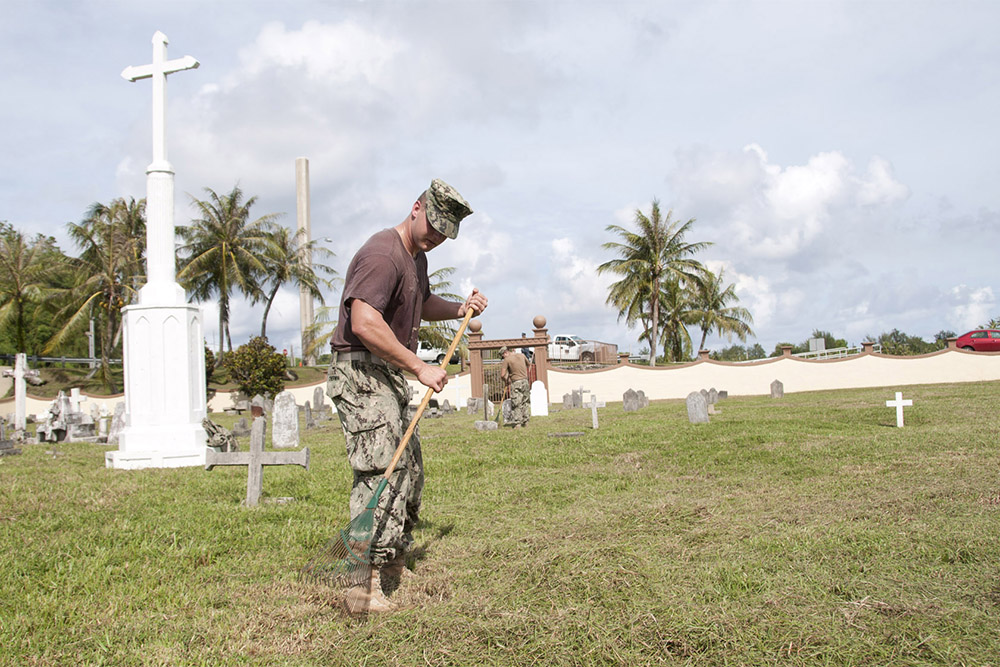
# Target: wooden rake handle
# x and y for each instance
(427, 398)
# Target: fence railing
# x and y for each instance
(836, 352)
(35, 359)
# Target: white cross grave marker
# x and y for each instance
(594, 404)
(899, 404)
(20, 373)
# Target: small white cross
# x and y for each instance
(899, 404)
(594, 404)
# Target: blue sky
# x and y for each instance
(841, 156)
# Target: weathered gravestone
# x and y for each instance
(257, 406)
(643, 401)
(697, 408)
(630, 400)
(567, 401)
(241, 428)
(285, 421)
(486, 425)
(7, 447)
(255, 460)
(310, 422)
(777, 389)
(319, 400)
(117, 423)
(507, 409)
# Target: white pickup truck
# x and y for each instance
(433, 355)
(567, 347)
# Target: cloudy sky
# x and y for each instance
(841, 156)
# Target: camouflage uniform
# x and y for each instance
(520, 402)
(372, 400)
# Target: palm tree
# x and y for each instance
(108, 274)
(712, 311)
(646, 259)
(290, 258)
(26, 270)
(223, 251)
(676, 303)
(439, 334)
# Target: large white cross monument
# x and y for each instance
(164, 354)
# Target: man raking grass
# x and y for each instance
(386, 295)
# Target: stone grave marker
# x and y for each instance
(643, 401)
(507, 408)
(899, 404)
(7, 447)
(257, 406)
(697, 408)
(567, 401)
(285, 422)
(310, 423)
(723, 394)
(241, 429)
(117, 423)
(255, 460)
(319, 399)
(539, 399)
(777, 389)
(630, 400)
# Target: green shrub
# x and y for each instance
(257, 368)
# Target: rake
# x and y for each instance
(346, 559)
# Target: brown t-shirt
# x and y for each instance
(515, 365)
(387, 278)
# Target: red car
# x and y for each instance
(980, 340)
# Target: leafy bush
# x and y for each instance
(257, 368)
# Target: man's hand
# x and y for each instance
(434, 377)
(477, 301)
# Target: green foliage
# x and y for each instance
(828, 339)
(257, 368)
(739, 353)
(898, 343)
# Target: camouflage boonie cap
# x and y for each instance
(445, 208)
(504, 350)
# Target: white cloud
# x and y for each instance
(972, 307)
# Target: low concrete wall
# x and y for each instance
(748, 379)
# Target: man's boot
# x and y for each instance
(367, 597)
(395, 572)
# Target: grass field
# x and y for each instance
(802, 531)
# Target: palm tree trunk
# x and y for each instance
(267, 309)
(654, 337)
(704, 335)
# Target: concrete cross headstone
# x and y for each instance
(255, 460)
(20, 373)
(594, 404)
(285, 421)
(899, 404)
(697, 408)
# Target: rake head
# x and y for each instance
(346, 559)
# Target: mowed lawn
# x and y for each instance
(807, 530)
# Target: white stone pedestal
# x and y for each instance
(164, 389)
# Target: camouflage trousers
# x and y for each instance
(520, 402)
(372, 401)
